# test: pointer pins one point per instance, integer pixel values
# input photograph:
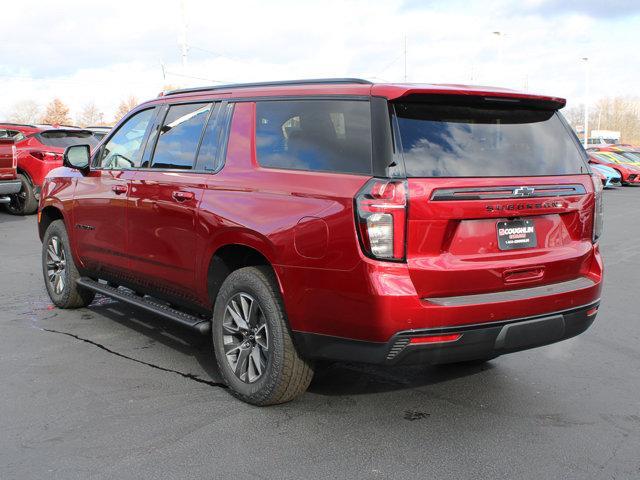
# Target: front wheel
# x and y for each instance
(59, 270)
(253, 347)
(24, 202)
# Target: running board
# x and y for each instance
(184, 319)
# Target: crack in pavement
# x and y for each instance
(189, 376)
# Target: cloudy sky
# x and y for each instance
(103, 52)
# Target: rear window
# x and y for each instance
(179, 136)
(67, 138)
(320, 135)
(461, 141)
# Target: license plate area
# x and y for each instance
(516, 234)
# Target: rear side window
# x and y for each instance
(461, 141)
(319, 135)
(179, 136)
(66, 138)
(212, 148)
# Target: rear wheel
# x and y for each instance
(59, 270)
(24, 202)
(253, 346)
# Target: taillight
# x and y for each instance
(598, 210)
(381, 216)
(14, 154)
(45, 156)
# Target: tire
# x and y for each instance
(59, 270)
(24, 202)
(266, 376)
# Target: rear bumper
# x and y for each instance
(471, 342)
(9, 187)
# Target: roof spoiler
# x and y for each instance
(486, 99)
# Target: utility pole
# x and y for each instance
(586, 100)
(500, 36)
(183, 35)
(405, 59)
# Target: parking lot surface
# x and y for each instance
(110, 392)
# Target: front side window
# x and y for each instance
(179, 136)
(467, 141)
(124, 148)
(321, 135)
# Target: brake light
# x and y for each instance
(598, 210)
(14, 154)
(45, 156)
(381, 216)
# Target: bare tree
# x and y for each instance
(57, 113)
(90, 115)
(25, 111)
(620, 114)
(125, 107)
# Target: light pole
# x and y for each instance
(500, 36)
(586, 100)
(183, 35)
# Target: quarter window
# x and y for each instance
(210, 154)
(320, 135)
(124, 148)
(179, 136)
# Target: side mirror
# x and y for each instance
(78, 157)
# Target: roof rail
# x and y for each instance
(280, 83)
(18, 124)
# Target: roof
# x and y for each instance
(356, 86)
(25, 129)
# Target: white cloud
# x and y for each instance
(104, 52)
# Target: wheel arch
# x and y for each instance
(46, 216)
(619, 173)
(22, 171)
(228, 257)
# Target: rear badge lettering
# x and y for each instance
(522, 206)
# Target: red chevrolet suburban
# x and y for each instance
(334, 219)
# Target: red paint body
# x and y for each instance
(303, 224)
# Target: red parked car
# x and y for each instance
(39, 150)
(334, 219)
(629, 174)
(9, 183)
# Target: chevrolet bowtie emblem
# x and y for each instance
(523, 191)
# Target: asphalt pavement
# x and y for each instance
(109, 392)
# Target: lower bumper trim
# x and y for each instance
(482, 341)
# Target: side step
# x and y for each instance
(189, 321)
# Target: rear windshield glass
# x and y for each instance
(461, 141)
(67, 138)
(321, 135)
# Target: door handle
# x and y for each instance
(181, 196)
(119, 189)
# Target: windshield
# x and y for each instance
(67, 138)
(634, 157)
(465, 141)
